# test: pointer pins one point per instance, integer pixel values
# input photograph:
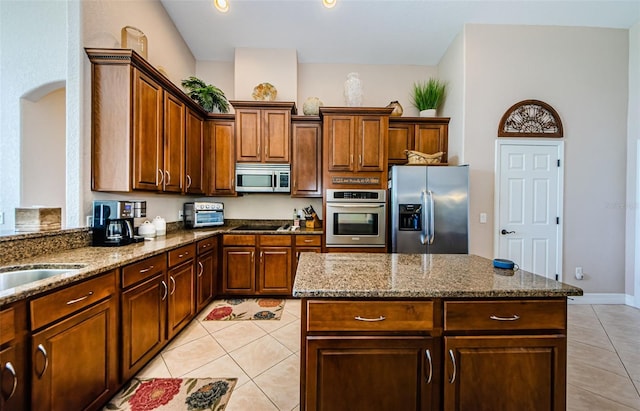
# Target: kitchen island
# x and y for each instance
(429, 332)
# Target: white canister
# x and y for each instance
(147, 229)
(161, 225)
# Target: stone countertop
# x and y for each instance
(97, 260)
(363, 275)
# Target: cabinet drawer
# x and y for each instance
(308, 240)
(182, 254)
(206, 245)
(278, 239)
(239, 239)
(142, 270)
(7, 325)
(504, 315)
(369, 316)
(59, 304)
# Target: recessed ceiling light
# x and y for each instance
(223, 5)
(329, 3)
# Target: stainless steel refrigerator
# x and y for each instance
(430, 209)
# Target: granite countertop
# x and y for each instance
(363, 275)
(96, 260)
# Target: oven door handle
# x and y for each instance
(357, 205)
(424, 233)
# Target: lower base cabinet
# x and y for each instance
(369, 373)
(14, 379)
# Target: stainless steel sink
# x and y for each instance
(11, 277)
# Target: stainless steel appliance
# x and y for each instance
(113, 223)
(355, 218)
(203, 214)
(263, 178)
(430, 209)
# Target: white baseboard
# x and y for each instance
(602, 298)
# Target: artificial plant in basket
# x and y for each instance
(207, 95)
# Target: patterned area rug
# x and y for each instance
(174, 394)
(246, 309)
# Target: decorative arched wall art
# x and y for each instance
(530, 118)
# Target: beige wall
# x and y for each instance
(632, 283)
(275, 66)
(583, 74)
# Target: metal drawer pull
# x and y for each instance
(173, 280)
(144, 270)
(166, 290)
(80, 299)
(182, 255)
(46, 359)
(308, 241)
(201, 269)
(453, 361)
(427, 354)
(8, 366)
(358, 318)
(515, 317)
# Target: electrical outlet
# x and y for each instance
(180, 215)
(1, 217)
(483, 218)
(579, 274)
(89, 220)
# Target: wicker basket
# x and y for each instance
(416, 157)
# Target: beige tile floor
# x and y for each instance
(603, 358)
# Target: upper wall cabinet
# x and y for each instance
(428, 135)
(139, 122)
(195, 173)
(263, 131)
(306, 157)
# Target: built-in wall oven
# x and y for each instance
(355, 218)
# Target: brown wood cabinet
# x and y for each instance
(427, 135)
(195, 153)
(182, 288)
(14, 378)
(207, 270)
(311, 243)
(306, 158)
(74, 346)
(220, 159)
(263, 131)
(257, 264)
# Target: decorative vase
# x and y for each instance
(397, 109)
(353, 90)
(311, 106)
(133, 38)
(428, 113)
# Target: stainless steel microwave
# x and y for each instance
(263, 178)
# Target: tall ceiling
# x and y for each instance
(372, 31)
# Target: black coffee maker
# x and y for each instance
(113, 223)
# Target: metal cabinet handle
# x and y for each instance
(168, 177)
(427, 354)
(144, 270)
(183, 255)
(453, 361)
(166, 290)
(9, 367)
(42, 350)
(308, 241)
(350, 159)
(173, 280)
(161, 177)
(201, 268)
(80, 299)
(370, 320)
(360, 159)
(188, 181)
(514, 317)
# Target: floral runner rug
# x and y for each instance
(246, 309)
(173, 394)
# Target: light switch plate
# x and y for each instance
(483, 218)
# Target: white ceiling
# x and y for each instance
(372, 31)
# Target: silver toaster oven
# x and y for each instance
(203, 214)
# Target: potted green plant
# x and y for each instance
(208, 96)
(427, 96)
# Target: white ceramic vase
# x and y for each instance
(353, 90)
(428, 113)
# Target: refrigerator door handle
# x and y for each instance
(425, 230)
(432, 222)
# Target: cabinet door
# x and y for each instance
(432, 138)
(144, 319)
(371, 137)
(238, 270)
(182, 301)
(74, 362)
(275, 133)
(306, 164)
(205, 279)
(505, 373)
(339, 133)
(174, 129)
(248, 135)
(14, 381)
(194, 154)
(275, 270)
(400, 139)
(148, 162)
(369, 373)
(221, 164)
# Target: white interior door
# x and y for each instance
(529, 205)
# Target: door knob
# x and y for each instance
(505, 232)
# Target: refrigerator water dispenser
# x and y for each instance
(410, 217)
